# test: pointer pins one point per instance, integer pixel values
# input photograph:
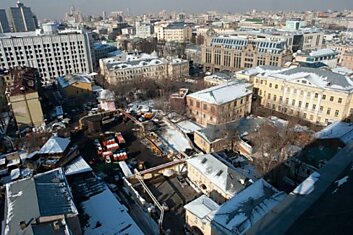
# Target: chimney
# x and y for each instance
(56, 225)
(23, 225)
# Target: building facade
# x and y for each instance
(127, 68)
(220, 104)
(22, 19)
(318, 58)
(235, 53)
(4, 23)
(54, 54)
(23, 96)
(178, 32)
(315, 95)
(347, 60)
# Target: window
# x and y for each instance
(331, 98)
(205, 106)
(269, 96)
(198, 104)
(328, 111)
(314, 106)
(274, 97)
(270, 85)
(293, 102)
(311, 117)
(300, 104)
(324, 97)
(316, 95)
(276, 86)
(337, 113)
(306, 105)
(287, 100)
(339, 100)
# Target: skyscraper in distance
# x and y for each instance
(22, 19)
(4, 23)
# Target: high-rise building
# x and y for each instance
(53, 53)
(4, 23)
(22, 19)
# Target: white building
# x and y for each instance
(144, 30)
(127, 67)
(53, 53)
(296, 24)
(178, 32)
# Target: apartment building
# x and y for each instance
(341, 48)
(347, 60)
(53, 53)
(177, 31)
(220, 104)
(144, 30)
(237, 52)
(315, 95)
(126, 68)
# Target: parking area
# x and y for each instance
(175, 195)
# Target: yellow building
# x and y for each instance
(315, 95)
(220, 104)
(75, 85)
(215, 177)
(22, 85)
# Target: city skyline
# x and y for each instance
(138, 7)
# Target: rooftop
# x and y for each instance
(224, 93)
(46, 194)
(239, 213)
(71, 79)
(221, 174)
(55, 144)
(202, 207)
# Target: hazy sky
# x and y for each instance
(55, 9)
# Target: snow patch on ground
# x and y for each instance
(340, 182)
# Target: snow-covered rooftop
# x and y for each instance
(224, 93)
(202, 207)
(70, 79)
(55, 144)
(337, 130)
(219, 173)
(307, 186)
(188, 126)
(239, 213)
(77, 166)
(110, 213)
(174, 138)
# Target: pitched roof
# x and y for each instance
(55, 144)
(223, 93)
(45, 194)
(220, 173)
(239, 213)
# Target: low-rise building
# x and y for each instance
(220, 104)
(316, 95)
(23, 86)
(177, 101)
(235, 216)
(219, 78)
(215, 177)
(107, 100)
(75, 85)
(347, 60)
(42, 204)
(317, 58)
(216, 138)
(126, 68)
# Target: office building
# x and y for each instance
(237, 52)
(53, 53)
(220, 104)
(22, 19)
(4, 23)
